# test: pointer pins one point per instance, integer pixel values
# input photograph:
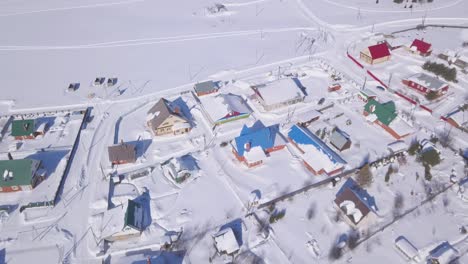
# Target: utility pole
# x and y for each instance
(389, 80)
(364, 84)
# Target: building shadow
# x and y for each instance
(236, 226)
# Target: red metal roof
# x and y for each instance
(379, 51)
(421, 46)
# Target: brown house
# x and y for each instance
(166, 119)
(122, 153)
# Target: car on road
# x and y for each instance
(381, 88)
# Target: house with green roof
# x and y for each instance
(20, 175)
(132, 215)
(23, 129)
(386, 116)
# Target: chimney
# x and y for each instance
(9, 156)
(148, 260)
(177, 110)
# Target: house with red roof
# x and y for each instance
(419, 46)
(375, 54)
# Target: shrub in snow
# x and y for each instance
(364, 177)
(276, 216)
(430, 157)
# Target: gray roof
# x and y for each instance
(122, 151)
(161, 111)
(427, 81)
(205, 86)
(339, 138)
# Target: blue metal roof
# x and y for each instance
(300, 136)
(256, 136)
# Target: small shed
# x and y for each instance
(99, 81)
(205, 88)
(111, 82)
(340, 139)
(73, 87)
(122, 153)
(334, 87)
(397, 147)
(419, 46)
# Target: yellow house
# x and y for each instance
(375, 54)
(165, 119)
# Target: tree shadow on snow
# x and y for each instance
(144, 199)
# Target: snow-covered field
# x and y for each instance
(161, 49)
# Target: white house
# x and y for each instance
(226, 242)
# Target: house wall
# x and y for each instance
(167, 127)
(232, 118)
(380, 60)
(206, 92)
(115, 162)
(246, 162)
(24, 137)
(366, 58)
(123, 235)
(421, 88)
(17, 188)
(281, 104)
(275, 148)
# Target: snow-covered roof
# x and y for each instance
(397, 146)
(280, 91)
(351, 204)
(408, 249)
(186, 162)
(459, 116)
(307, 116)
(401, 127)
(427, 81)
(255, 154)
(444, 253)
(225, 241)
(316, 153)
(222, 105)
(339, 138)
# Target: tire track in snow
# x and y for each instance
(154, 41)
(71, 8)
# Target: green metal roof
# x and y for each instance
(385, 112)
(22, 127)
(130, 219)
(21, 170)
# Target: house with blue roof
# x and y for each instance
(255, 143)
(317, 156)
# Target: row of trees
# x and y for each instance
(449, 74)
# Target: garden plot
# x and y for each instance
(60, 133)
(348, 117)
(279, 174)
